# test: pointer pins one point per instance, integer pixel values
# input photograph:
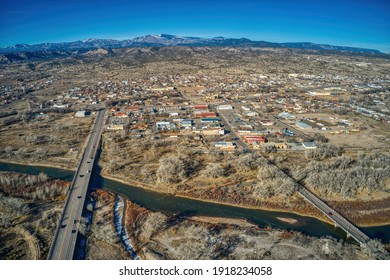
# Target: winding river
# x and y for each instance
(187, 207)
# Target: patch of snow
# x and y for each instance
(121, 231)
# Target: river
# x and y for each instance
(187, 207)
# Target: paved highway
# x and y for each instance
(339, 220)
(232, 130)
(64, 241)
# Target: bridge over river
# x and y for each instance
(65, 237)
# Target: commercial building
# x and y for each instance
(213, 131)
(309, 145)
(121, 115)
(164, 125)
(205, 115)
(250, 139)
(186, 123)
(210, 120)
(266, 122)
(225, 107)
(115, 127)
(303, 125)
(200, 107)
(286, 115)
(225, 146)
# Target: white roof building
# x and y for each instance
(80, 114)
(225, 107)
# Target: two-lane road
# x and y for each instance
(65, 238)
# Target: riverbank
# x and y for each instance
(69, 167)
(368, 222)
(298, 211)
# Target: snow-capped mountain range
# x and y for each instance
(173, 40)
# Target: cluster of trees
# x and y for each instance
(346, 176)
(152, 224)
(320, 138)
(47, 192)
(175, 168)
(36, 187)
(41, 139)
(148, 173)
(272, 181)
(329, 248)
(324, 151)
(375, 250)
(11, 121)
(215, 170)
(50, 219)
(6, 114)
(249, 162)
(23, 152)
(18, 180)
(10, 209)
(245, 162)
(74, 131)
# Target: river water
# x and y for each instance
(186, 207)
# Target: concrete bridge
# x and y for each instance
(65, 237)
(339, 220)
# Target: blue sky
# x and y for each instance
(343, 22)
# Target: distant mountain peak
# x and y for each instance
(89, 40)
(169, 36)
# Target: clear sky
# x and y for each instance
(338, 22)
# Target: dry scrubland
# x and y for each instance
(30, 208)
(371, 134)
(53, 139)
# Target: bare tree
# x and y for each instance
(324, 151)
(174, 169)
(148, 174)
(214, 170)
(375, 249)
(267, 172)
(250, 161)
(39, 153)
(346, 176)
(154, 222)
(8, 151)
(21, 153)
